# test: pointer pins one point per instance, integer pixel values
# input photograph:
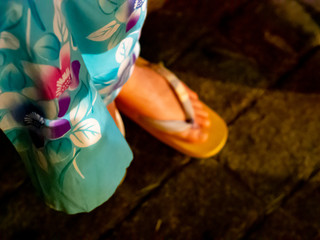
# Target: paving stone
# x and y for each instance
(304, 204)
(157, 40)
(272, 34)
(313, 3)
(12, 178)
(177, 26)
(209, 10)
(268, 32)
(201, 202)
(12, 172)
(275, 143)
(24, 214)
(282, 225)
(313, 8)
(8, 153)
(217, 58)
(306, 78)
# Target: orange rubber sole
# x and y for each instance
(217, 131)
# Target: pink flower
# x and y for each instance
(51, 81)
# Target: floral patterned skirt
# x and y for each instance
(61, 63)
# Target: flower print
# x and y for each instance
(37, 108)
(134, 13)
(13, 13)
(63, 83)
(125, 71)
(34, 119)
(64, 103)
(23, 112)
(126, 15)
(53, 81)
(136, 3)
(133, 19)
(129, 13)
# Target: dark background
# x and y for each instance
(257, 64)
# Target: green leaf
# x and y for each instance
(12, 79)
(59, 150)
(19, 138)
(12, 13)
(48, 47)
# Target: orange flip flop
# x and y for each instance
(164, 129)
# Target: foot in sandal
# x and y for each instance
(159, 102)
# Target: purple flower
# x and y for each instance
(134, 13)
(39, 111)
(31, 116)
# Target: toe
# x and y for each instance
(193, 95)
(201, 116)
(197, 135)
(201, 113)
(197, 104)
(194, 135)
(202, 121)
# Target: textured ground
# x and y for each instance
(257, 64)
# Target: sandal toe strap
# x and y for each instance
(179, 89)
(182, 96)
(169, 126)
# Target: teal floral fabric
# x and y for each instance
(61, 63)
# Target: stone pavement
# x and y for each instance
(257, 64)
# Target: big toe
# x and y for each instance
(194, 135)
(197, 135)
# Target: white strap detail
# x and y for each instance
(171, 126)
(178, 88)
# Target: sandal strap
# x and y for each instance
(182, 96)
(179, 90)
(169, 126)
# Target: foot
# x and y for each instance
(148, 94)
